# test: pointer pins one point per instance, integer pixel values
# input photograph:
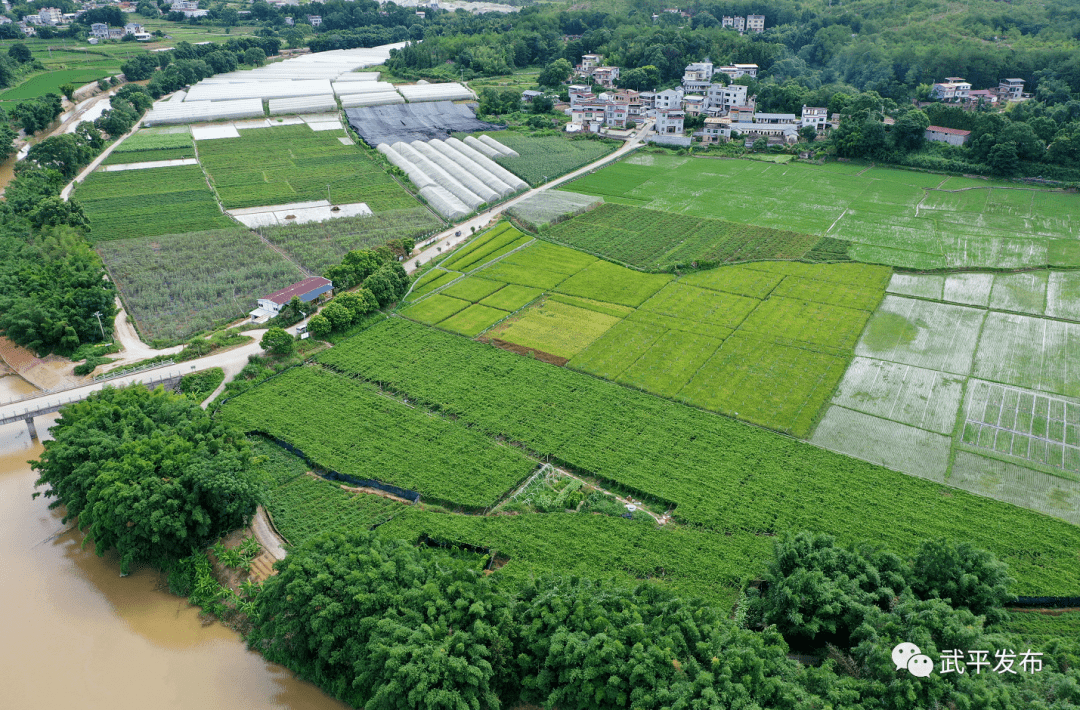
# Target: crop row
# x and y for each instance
(544, 158)
(659, 240)
(178, 284)
(724, 475)
(348, 427)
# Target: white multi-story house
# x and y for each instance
(51, 16)
(668, 100)
(182, 5)
(740, 23)
(132, 28)
(734, 71)
(99, 30)
(697, 76)
(615, 114)
(669, 122)
(606, 76)
(755, 23)
(314, 20)
(727, 21)
(32, 19)
(1011, 89)
(589, 62)
(712, 132)
(721, 98)
(815, 116)
(693, 104)
(954, 88)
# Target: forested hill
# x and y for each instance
(887, 46)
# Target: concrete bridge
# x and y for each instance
(26, 410)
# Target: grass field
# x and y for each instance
(283, 164)
(379, 438)
(151, 202)
(731, 479)
(543, 158)
(50, 82)
(178, 284)
(890, 216)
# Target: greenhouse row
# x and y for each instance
(371, 99)
(303, 104)
(465, 178)
(165, 112)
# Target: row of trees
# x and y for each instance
(382, 623)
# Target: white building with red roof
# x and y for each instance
(308, 290)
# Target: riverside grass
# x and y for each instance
(731, 479)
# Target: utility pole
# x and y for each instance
(98, 314)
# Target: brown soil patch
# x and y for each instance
(376, 492)
(522, 350)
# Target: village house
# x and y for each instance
(99, 30)
(952, 136)
(693, 104)
(712, 132)
(529, 94)
(606, 76)
(776, 118)
(755, 23)
(953, 89)
(669, 122)
(740, 24)
(635, 108)
(773, 132)
(742, 114)
(50, 16)
(308, 291)
(815, 116)
(734, 71)
(1011, 89)
(721, 98)
(314, 20)
(698, 76)
(982, 96)
(668, 99)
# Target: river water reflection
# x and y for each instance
(74, 634)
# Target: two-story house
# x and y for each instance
(815, 116)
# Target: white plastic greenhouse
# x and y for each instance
(481, 147)
(492, 143)
(359, 76)
(196, 111)
(474, 183)
(373, 99)
(488, 164)
(362, 87)
(451, 91)
(259, 90)
(468, 166)
(418, 176)
(303, 104)
(440, 176)
(443, 202)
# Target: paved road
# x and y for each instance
(449, 238)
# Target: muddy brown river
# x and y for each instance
(74, 634)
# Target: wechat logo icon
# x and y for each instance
(907, 655)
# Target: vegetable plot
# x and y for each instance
(350, 428)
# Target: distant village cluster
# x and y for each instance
(727, 107)
(729, 112)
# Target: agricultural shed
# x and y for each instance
(307, 290)
(411, 122)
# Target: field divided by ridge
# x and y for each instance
(888, 216)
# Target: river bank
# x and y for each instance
(79, 635)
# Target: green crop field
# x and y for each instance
(544, 158)
(656, 240)
(497, 241)
(436, 278)
(556, 328)
(150, 202)
(739, 481)
(674, 339)
(50, 82)
(178, 284)
(320, 245)
(284, 164)
(379, 438)
(145, 146)
(889, 216)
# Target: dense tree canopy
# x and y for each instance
(148, 474)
